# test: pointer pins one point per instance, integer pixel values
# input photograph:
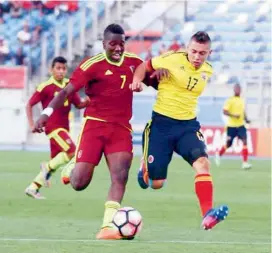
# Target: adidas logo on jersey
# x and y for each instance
(132, 68)
(108, 72)
(204, 76)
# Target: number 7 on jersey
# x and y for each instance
(124, 78)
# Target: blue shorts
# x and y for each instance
(163, 136)
(233, 132)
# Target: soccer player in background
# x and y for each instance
(106, 129)
(174, 127)
(57, 128)
(234, 108)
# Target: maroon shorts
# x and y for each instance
(60, 140)
(98, 137)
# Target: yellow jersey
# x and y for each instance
(235, 105)
(178, 95)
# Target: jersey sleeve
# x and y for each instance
(138, 61)
(76, 100)
(161, 61)
(35, 98)
(156, 62)
(227, 105)
(81, 75)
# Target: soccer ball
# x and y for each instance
(128, 221)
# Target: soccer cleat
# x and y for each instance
(143, 175)
(108, 233)
(214, 216)
(33, 193)
(65, 180)
(246, 166)
(65, 175)
(46, 174)
(217, 159)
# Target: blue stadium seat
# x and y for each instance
(242, 7)
(203, 26)
(214, 57)
(237, 36)
(203, 16)
(48, 22)
(209, 6)
(226, 27)
(263, 27)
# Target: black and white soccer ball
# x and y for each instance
(128, 221)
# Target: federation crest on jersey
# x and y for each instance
(132, 68)
(79, 154)
(150, 159)
(204, 76)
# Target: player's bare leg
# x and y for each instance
(204, 191)
(81, 175)
(119, 165)
(245, 164)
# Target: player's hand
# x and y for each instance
(160, 74)
(136, 86)
(32, 127)
(248, 121)
(86, 101)
(40, 123)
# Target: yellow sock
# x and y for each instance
(111, 208)
(68, 167)
(59, 160)
(34, 186)
(39, 179)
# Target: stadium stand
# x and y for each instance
(240, 31)
(35, 19)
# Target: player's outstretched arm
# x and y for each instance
(29, 115)
(35, 99)
(56, 103)
(138, 77)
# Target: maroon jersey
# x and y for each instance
(44, 93)
(107, 85)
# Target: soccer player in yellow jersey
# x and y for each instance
(235, 110)
(174, 127)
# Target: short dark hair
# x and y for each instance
(201, 37)
(59, 59)
(114, 28)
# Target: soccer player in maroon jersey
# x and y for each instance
(106, 129)
(57, 128)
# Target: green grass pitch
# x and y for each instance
(67, 221)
